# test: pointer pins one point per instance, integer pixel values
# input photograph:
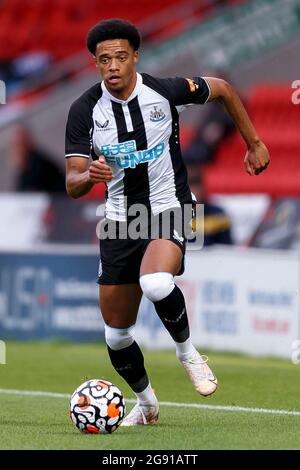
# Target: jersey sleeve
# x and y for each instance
(78, 130)
(185, 91)
(179, 91)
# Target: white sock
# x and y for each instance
(146, 397)
(185, 351)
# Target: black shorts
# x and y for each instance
(120, 257)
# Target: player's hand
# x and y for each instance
(100, 172)
(257, 159)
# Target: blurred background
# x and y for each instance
(243, 287)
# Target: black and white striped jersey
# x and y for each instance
(139, 139)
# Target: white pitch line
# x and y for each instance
(4, 391)
(32, 393)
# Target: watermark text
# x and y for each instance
(2, 92)
(295, 356)
(2, 352)
(183, 224)
(296, 93)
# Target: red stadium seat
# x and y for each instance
(48, 24)
(277, 122)
(52, 25)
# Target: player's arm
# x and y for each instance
(257, 157)
(81, 176)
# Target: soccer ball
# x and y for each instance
(97, 406)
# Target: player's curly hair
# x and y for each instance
(113, 29)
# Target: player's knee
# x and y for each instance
(157, 286)
(119, 338)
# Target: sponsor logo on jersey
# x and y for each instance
(125, 154)
(193, 86)
(103, 126)
(157, 115)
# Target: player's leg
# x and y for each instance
(162, 260)
(119, 306)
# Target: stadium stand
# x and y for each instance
(277, 122)
(67, 22)
(40, 54)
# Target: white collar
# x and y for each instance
(135, 92)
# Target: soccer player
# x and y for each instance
(128, 124)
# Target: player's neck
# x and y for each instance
(124, 94)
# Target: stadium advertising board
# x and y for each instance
(237, 300)
(247, 300)
(49, 295)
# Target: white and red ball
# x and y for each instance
(97, 406)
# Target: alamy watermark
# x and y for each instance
(295, 356)
(182, 224)
(296, 94)
(2, 92)
(2, 352)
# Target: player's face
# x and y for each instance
(116, 62)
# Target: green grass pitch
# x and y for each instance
(35, 422)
